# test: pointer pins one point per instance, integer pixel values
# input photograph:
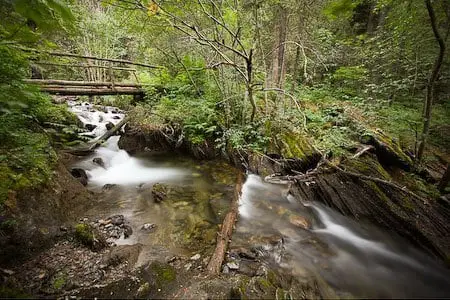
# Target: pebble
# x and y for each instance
(148, 226)
(196, 257)
(233, 266)
(187, 266)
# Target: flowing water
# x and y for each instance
(352, 257)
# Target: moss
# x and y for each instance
(59, 281)
(374, 187)
(407, 203)
(84, 234)
(264, 283)
(163, 273)
(418, 185)
(295, 145)
(368, 166)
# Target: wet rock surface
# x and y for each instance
(113, 228)
(80, 174)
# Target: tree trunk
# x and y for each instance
(109, 133)
(215, 263)
(296, 70)
(430, 85)
(249, 66)
(278, 52)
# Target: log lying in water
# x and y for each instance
(109, 133)
(215, 263)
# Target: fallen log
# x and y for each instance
(55, 83)
(109, 133)
(68, 91)
(223, 238)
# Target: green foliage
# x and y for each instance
(247, 137)
(24, 21)
(26, 153)
(340, 8)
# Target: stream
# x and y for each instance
(291, 234)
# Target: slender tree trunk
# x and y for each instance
(278, 51)
(295, 71)
(430, 85)
(249, 65)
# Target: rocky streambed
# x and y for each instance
(153, 219)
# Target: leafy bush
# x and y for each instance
(26, 152)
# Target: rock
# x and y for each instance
(109, 186)
(99, 161)
(80, 174)
(127, 230)
(225, 270)
(233, 265)
(7, 272)
(123, 253)
(243, 253)
(109, 225)
(148, 226)
(160, 275)
(143, 291)
(159, 192)
(172, 259)
(90, 127)
(115, 234)
(188, 266)
(196, 257)
(299, 221)
(109, 125)
(103, 222)
(117, 220)
(116, 118)
(88, 236)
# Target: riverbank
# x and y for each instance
(154, 229)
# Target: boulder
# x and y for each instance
(109, 125)
(90, 127)
(80, 174)
(159, 192)
(99, 161)
(89, 236)
(117, 220)
(108, 187)
(123, 253)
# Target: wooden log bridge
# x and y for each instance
(89, 88)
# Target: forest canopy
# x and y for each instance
(238, 74)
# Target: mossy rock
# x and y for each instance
(387, 149)
(87, 236)
(59, 281)
(159, 275)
